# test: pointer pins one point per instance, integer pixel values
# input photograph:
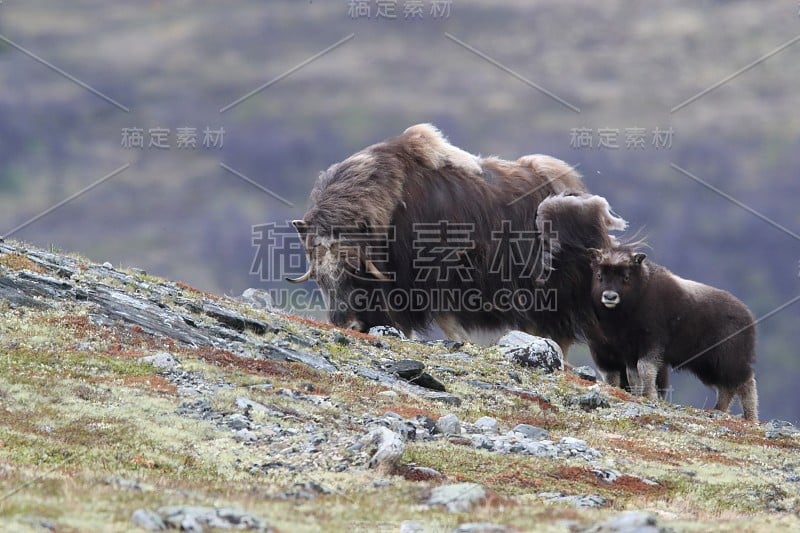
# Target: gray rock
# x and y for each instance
(780, 428)
(407, 369)
(628, 522)
(189, 518)
(249, 405)
(606, 475)
(412, 526)
(341, 339)
(237, 421)
(389, 448)
(457, 498)
(585, 372)
(582, 501)
(245, 435)
(531, 351)
(448, 425)
(386, 331)
(487, 424)
(480, 527)
(590, 401)
(163, 360)
(234, 320)
(149, 520)
(257, 298)
(531, 432)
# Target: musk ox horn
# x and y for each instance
(372, 269)
(300, 225)
(301, 279)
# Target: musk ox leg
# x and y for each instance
(648, 370)
(452, 328)
(724, 398)
(748, 395)
(612, 377)
(662, 381)
(634, 383)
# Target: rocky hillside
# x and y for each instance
(129, 401)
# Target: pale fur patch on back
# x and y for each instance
(429, 142)
(560, 174)
(693, 288)
(585, 201)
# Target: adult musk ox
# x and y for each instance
(649, 319)
(413, 230)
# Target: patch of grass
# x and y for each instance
(17, 261)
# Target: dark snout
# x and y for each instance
(610, 299)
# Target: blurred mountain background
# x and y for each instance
(512, 79)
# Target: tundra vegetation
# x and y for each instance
(125, 393)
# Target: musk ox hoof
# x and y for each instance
(528, 350)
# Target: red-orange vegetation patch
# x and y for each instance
(78, 323)
(189, 288)
(261, 367)
(645, 450)
(624, 483)
(543, 404)
(649, 420)
(415, 473)
(572, 378)
(156, 384)
(409, 411)
(621, 394)
(517, 476)
(138, 460)
(326, 325)
(17, 261)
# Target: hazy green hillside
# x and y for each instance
(177, 212)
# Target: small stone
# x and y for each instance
(341, 339)
(245, 435)
(388, 394)
(530, 432)
(590, 401)
(250, 405)
(457, 498)
(162, 360)
(585, 372)
(486, 424)
(386, 331)
(429, 382)
(780, 428)
(412, 526)
(107, 265)
(257, 298)
(448, 425)
(237, 421)
(149, 520)
(480, 527)
(531, 351)
(629, 522)
(478, 384)
(390, 447)
(407, 369)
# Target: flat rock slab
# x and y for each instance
(458, 497)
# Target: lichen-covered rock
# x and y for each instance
(457, 498)
(528, 350)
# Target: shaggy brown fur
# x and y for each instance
(387, 190)
(650, 319)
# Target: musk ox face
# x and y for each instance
(346, 276)
(616, 278)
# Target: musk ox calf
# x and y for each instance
(649, 319)
(413, 230)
